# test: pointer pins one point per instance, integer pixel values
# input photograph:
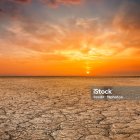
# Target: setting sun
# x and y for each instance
(88, 72)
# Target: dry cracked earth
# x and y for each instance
(62, 109)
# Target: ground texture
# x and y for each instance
(62, 109)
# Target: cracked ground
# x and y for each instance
(62, 109)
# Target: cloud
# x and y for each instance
(13, 8)
(55, 3)
(88, 37)
(128, 17)
(127, 25)
(22, 1)
(69, 1)
(85, 36)
(36, 36)
(1, 10)
(9, 8)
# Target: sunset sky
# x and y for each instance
(69, 37)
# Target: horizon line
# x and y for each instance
(112, 76)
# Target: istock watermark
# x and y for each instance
(115, 93)
(102, 91)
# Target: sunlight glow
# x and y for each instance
(88, 72)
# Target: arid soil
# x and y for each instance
(62, 109)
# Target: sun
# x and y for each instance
(88, 72)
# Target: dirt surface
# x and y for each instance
(62, 109)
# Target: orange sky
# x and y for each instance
(64, 38)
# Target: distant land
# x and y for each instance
(21, 76)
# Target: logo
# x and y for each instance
(102, 91)
(115, 92)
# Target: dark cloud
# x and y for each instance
(22, 1)
(128, 17)
(9, 8)
(127, 22)
(12, 7)
(1, 10)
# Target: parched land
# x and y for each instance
(62, 109)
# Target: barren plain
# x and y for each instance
(58, 108)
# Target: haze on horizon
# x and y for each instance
(69, 37)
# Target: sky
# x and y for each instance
(69, 38)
